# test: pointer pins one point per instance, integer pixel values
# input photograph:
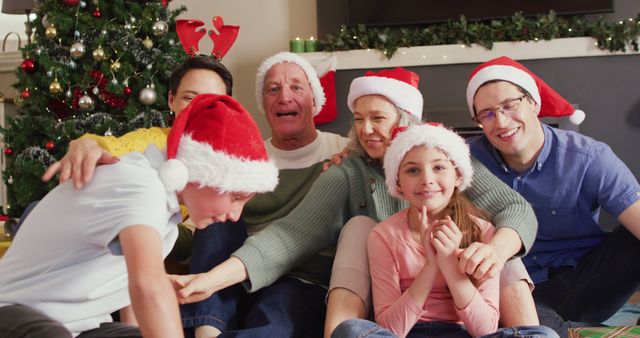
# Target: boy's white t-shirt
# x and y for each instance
(66, 260)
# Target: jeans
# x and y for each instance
(601, 283)
(287, 308)
(361, 328)
(212, 246)
(20, 321)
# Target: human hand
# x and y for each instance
(79, 162)
(192, 288)
(335, 159)
(446, 238)
(480, 260)
(426, 235)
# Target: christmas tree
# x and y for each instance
(95, 66)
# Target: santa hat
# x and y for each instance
(432, 135)
(398, 85)
(282, 57)
(214, 141)
(503, 68)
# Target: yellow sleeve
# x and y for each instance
(137, 140)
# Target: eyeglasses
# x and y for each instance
(507, 108)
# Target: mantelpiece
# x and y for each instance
(452, 54)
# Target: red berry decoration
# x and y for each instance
(24, 94)
(127, 90)
(71, 2)
(8, 151)
(50, 145)
(97, 14)
(29, 66)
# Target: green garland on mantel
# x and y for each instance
(617, 36)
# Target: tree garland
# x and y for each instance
(616, 36)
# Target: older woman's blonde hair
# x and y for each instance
(355, 148)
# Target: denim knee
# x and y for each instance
(360, 328)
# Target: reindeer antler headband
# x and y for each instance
(190, 35)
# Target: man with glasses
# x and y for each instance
(581, 271)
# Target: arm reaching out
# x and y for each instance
(152, 297)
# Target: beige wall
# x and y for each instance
(266, 26)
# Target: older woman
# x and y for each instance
(355, 193)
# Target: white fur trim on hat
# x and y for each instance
(312, 76)
(505, 73)
(436, 137)
(401, 94)
(219, 170)
(174, 175)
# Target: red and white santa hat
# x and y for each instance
(282, 57)
(503, 68)
(215, 142)
(433, 135)
(400, 86)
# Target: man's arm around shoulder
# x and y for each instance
(152, 297)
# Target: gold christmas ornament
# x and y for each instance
(115, 66)
(77, 50)
(99, 54)
(55, 87)
(51, 32)
(148, 43)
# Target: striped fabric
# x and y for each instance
(605, 332)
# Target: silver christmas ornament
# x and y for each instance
(85, 102)
(77, 50)
(95, 90)
(160, 28)
(127, 26)
(149, 66)
(147, 96)
(114, 81)
(49, 73)
(10, 180)
(76, 34)
(68, 93)
(72, 64)
(83, 4)
(108, 132)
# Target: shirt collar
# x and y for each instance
(157, 157)
(542, 157)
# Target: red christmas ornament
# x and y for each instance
(50, 145)
(71, 2)
(127, 90)
(29, 66)
(24, 94)
(97, 14)
(8, 151)
(165, 3)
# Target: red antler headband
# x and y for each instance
(190, 35)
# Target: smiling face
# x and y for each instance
(374, 119)
(207, 205)
(426, 177)
(288, 103)
(517, 136)
(195, 82)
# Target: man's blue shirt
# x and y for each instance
(573, 177)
